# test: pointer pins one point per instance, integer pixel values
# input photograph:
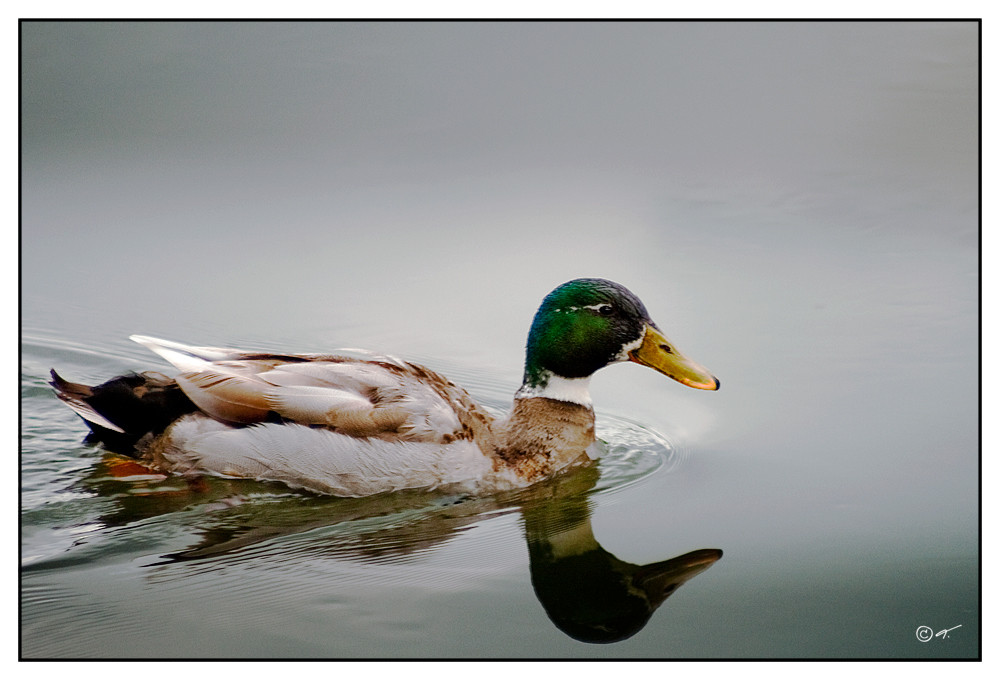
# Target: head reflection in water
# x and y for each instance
(587, 592)
(595, 597)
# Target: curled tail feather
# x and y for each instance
(123, 410)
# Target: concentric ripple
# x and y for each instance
(630, 452)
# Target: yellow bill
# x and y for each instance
(660, 354)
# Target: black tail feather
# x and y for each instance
(125, 409)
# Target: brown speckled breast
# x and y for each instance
(543, 435)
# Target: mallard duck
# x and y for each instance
(352, 426)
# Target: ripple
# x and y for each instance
(630, 452)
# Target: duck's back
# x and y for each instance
(379, 396)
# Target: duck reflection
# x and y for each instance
(588, 593)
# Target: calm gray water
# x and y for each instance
(795, 203)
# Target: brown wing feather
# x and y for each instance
(378, 396)
(355, 397)
(235, 399)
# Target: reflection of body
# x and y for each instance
(587, 592)
(352, 427)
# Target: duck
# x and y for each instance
(349, 425)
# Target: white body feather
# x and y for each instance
(317, 459)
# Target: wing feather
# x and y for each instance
(374, 398)
(313, 405)
(233, 398)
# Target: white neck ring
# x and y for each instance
(573, 390)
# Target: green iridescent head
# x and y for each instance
(586, 324)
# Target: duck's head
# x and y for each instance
(587, 324)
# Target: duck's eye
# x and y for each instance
(605, 310)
